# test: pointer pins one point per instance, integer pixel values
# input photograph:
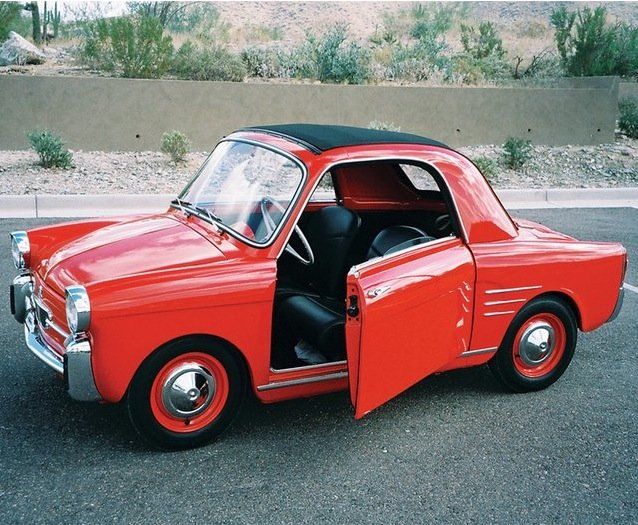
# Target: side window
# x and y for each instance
(419, 177)
(325, 190)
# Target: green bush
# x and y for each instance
(516, 152)
(267, 62)
(175, 144)
(215, 63)
(50, 148)
(417, 62)
(131, 47)
(331, 59)
(386, 126)
(628, 121)
(483, 56)
(487, 166)
(9, 15)
(588, 46)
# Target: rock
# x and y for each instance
(17, 50)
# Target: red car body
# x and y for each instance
(157, 278)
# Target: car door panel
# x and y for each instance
(413, 315)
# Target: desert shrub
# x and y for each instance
(628, 120)
(215, 63)
(588, 46)
(417, 62)
(176, 145)
(269, 62)
(386, 126)
(132, 47)
(50, 149)
(483, 56)
(431, 22)
(330, 58)
(9, 15)
(487, 167)
(516, 152)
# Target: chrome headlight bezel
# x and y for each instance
(20, 249)
(78, 309)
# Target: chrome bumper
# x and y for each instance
(75, 365)
(618, 307)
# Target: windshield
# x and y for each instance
(246, 187)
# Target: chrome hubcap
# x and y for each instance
(537, 343)
(188, 391)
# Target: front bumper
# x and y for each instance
(75, 365)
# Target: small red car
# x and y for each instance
(304, 259)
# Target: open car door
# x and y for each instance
(409, 314)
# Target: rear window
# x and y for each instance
(420, 178)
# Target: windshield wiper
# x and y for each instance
(193, 209)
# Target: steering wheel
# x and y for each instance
(270, 227)
(443, 224)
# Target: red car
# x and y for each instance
(304, 259)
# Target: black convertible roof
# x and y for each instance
(322, 137)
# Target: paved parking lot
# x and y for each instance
(455, 448)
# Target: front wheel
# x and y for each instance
(537, 347)
(186, 393)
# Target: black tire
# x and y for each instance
(142, 415)
(503, 364)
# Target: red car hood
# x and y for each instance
(124, 249)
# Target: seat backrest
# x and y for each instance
(395, 238)
(331, 232)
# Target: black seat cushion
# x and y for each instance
(318, 321)
(395, 238)
(330, 233)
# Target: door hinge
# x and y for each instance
(353, 306)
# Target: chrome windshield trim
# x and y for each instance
(519, 288)
(302, 381)
(286, 215)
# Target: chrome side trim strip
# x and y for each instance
(478, 351)
(505, 290)
(302, 381)
(508, 301)
(306, 367)
(492, 314)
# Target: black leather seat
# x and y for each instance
(395, 238)
(316, 313)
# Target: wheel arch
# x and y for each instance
(564, 298)
(211, 338)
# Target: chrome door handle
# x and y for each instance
(377, 291)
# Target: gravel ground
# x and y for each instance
(600, 166)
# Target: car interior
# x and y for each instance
(358, 212)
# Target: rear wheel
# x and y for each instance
(537, 347)
(186, 393)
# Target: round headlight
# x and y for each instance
(78, 309)
(20, 249)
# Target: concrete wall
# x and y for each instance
(122, 114)
(628, 89)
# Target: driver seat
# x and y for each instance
(316, 313)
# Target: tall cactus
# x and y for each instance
(45, 24)
(54, 16)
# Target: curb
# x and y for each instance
(41, 206)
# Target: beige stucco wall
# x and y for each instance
(628, 89)
(122, 114)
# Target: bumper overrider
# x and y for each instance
(75, 365)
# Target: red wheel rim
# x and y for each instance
(189, 392)
(539, 345)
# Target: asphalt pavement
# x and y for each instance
(456, 448)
